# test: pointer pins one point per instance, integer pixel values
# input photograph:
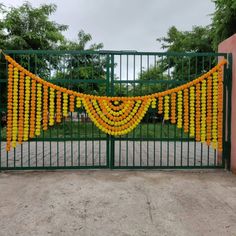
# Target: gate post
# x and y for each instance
(229, 46)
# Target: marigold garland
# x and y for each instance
(197, 106)
(173, 108)
(27, 109)
(160, 105)
(209, 109)
(15, 107)
(203, 112)
(198, 113)
(65, 105)
(58, 112)
(179, 109)
(192, 112)
(220, 109)
(45, 107)
(51, 106)
(9, 107)
(215, 110)
(21, 108)
(38, 112)
(166, 107)
(32, 112)
(186, 111)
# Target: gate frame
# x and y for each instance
(110, 140)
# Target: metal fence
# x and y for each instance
(78, 143)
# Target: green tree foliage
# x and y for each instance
(26, 27)
(223, 21)
(197, 40)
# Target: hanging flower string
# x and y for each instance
(38, 104)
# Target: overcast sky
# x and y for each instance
(127, 24)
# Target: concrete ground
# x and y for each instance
(111, 203)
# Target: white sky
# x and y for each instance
(127, 24)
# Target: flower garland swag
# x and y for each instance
(35, 104)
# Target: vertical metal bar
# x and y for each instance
(141, 124)
(127, 92)
(229, 89)
(181, 153)
(134, 95)
(36, 144)
(112, 142)
(148, 117)
(107, 93)
(120, 90)
(71, 135)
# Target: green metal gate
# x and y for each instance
(77, 143)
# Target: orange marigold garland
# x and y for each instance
(179, 109)
(114, 115)
(166, 107)
(198, 113)
(209, 109)
(220, 109)
(9, 106)
(21, 108)
(32, 112)
(215, 110)
(51, 106)
(72, 103)
(203, 112)
(15, 107)
(186, 111)
(27, 108)
(160, 105)
(192, 112)
(45, 107)
(39, 110)
(58, 112)
(173, 108)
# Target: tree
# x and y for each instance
(223, 21)
(26, 27)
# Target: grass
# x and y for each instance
(88, 130)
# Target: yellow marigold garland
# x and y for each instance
(27, 108)
(209, 109)
(215, 110)
(186, 111)
(173, 108)
(9, 106)
(114, 115)
(220, 109)
(15, 107)
(58, 112)
(192, 112)
(166, 107)
(203, 112)
(78, 102)
(32, 112)
(65, 104)
(38, 112)
(51, 106)
(198, 113)
(21, 108)
(179, 109)
(45, 107)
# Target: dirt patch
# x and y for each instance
(107, 202)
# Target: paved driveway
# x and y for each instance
(117, 203)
